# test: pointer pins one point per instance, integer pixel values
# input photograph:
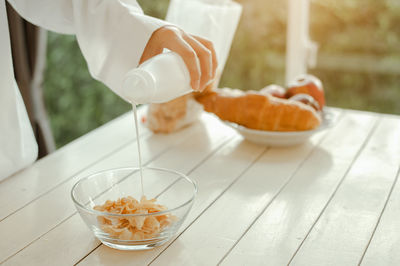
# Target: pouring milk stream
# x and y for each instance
(160, 79)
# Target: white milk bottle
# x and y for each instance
(160, 79)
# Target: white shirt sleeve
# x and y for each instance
(112, 34)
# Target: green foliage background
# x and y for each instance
(343, 29)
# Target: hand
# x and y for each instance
(197, 53)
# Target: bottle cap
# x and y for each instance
(138, 86)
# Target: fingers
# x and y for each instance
(191, 60)
(149, 52)
(210, 47)
(158, 41)
(197, 53)
(170, 37)
(205, 59)
(152, 48)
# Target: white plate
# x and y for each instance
(283, 139)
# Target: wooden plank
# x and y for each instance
(51, 171)
(56, 206)
(62, 246)
(209, 175)
(277, 233)
(226, 221)
(84, 242)
(384, 248)
(212, 190)
(344, 229)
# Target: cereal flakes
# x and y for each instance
(134, 227)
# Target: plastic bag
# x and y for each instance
(215, 20)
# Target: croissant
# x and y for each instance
(260, 111)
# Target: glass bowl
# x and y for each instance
(171, 189)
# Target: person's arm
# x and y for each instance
(113, 35)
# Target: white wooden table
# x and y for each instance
(332, 201)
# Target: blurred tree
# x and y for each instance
(359, 55)
(75, 102)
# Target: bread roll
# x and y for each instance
(173, 115)
(260, 111)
